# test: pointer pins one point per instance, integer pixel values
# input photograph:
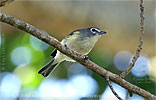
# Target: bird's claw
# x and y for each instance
(85, 57)
(65, 45)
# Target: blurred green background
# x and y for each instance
(22, 55)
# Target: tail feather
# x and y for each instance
(48, 68)
(45, 67)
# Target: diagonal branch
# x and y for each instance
(139, 48)
(77, 57)
(4, 2)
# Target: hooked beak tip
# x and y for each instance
(103, 32)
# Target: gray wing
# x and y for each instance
(54, 52)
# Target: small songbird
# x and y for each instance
(81, 41)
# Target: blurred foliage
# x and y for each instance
(119, 18)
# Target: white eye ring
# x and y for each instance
(95, 30)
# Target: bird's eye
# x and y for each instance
(95, 30)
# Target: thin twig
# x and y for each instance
(112, 89)
(139, 48)
(4, 2)
(77, 57)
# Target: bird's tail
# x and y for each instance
(48, 68)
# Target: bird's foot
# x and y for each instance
(86, 57)
(65, 45)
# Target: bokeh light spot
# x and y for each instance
(29, 93)
(26, 74)
(21, 56)
(122, 60)
(46, 89)
(38, 44)
(10, 87)
(108, 95)
(75, 88)
(152, 68)
(56, 89)
(76, 69)
(84, 85)
(141, 67)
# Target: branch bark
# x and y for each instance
(139, 48)
(77, 57)
(4, 2)
(112, 89)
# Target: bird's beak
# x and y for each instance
(102, 32)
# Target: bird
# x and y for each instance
(81, 41)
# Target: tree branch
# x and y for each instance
(139, 48)
(111, 87)
(4, 2)
(77, 57)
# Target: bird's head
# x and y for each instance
(90, 32)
